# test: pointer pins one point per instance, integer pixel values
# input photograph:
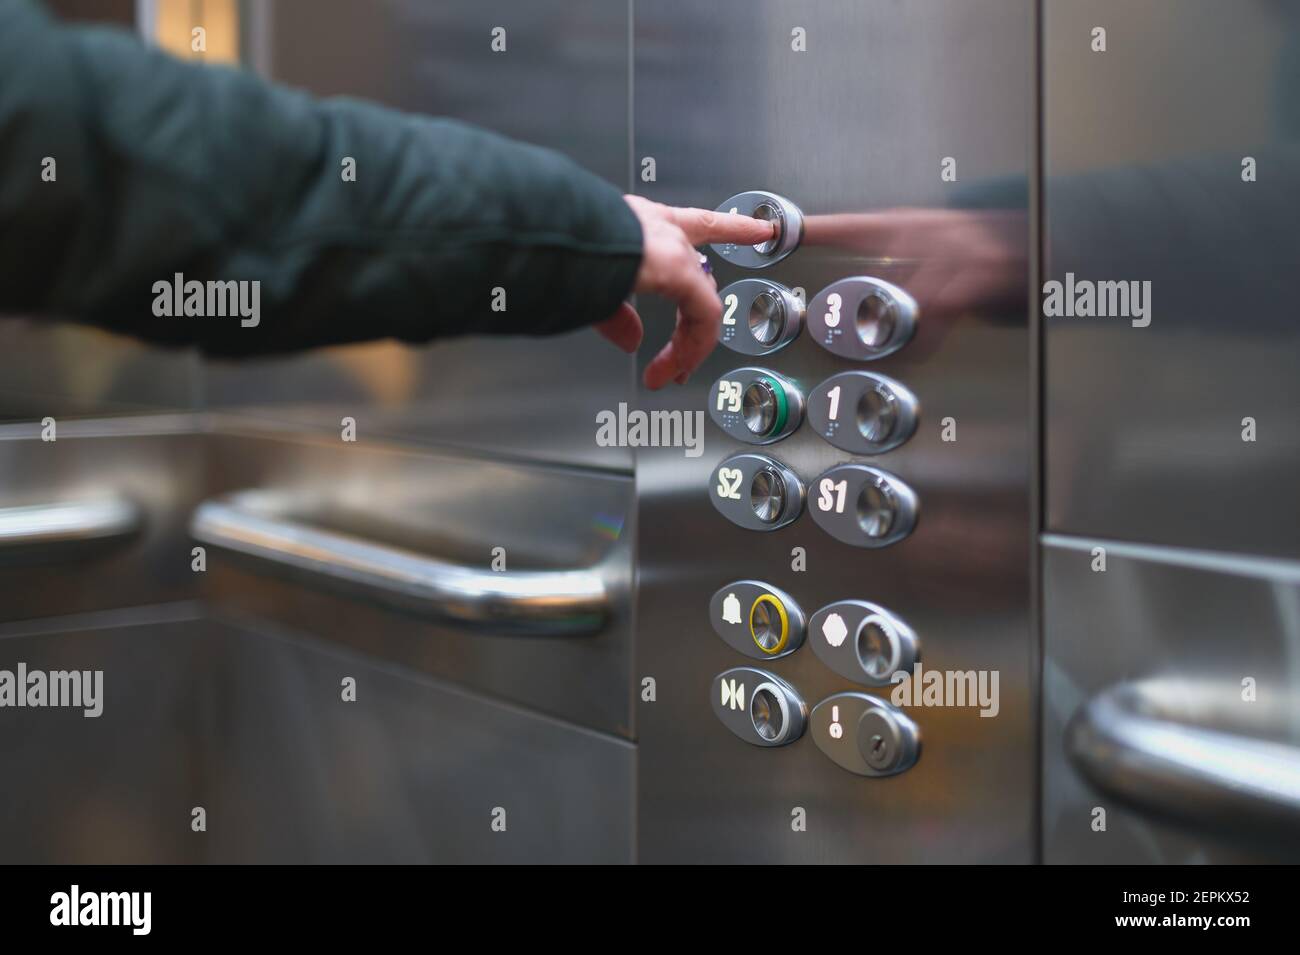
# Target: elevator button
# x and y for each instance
(772, 208)
(861, 318)
(755, 405)
(758, 706)
(759, 317)
(756, 491)
(757, 620)
(863, 413)
(865, 735)
(863, 506)
(863, 642)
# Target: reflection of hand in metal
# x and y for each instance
(952, 260)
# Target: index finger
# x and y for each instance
(706, 226)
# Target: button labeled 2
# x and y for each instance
(759, 707)
(863, 506)
(757, 620)
(861, 318)
(756, 491)
(863, 413)
(772, 208)
(865, 735)
(759, 317)
(863, 642)
(755, 405)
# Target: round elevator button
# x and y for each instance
(769, 626)
(764, 407)
(767, 495)
(876, 508)
(766, 317)
(769, 213)
(877, 414)
(875, 321)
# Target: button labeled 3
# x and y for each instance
(757, 620)
(755, 405)
(759, 707)
(862, 413)
(863, 642)
(865, 735)
(756, 491)
(863, 506)
(861, 318)
(774, 208)
(759, 317)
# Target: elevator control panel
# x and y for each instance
(861, 318)
(863, 506)
(757, 619)
(759, 316)
(756, 405)
(865, 735)
(773, 208)
(863, 413)
(759, 706)
(863, 642)
(756, 491)
(858, 318)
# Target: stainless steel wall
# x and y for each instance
(1161, 614)
(859, 123)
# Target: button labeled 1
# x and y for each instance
(755, 405)
(863, 506)
(863, 642)
(861, 318)
(772, 208)
(756, 491)
(757, 620)
(863, 413)
(759, 317)
(759, 707)
(865, 735)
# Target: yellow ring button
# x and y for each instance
(784, 634)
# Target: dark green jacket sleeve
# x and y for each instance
(163, 168)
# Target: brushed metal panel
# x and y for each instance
(858, 123)
(453, 508)
(1195, 620)
(117, 788)
(562, 83)
(1143, 150)
(155, 462)
(250, 726)
(409, 773)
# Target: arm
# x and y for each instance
(166, 167)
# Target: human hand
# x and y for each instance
(671, 267)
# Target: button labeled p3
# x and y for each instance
(755, 405)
